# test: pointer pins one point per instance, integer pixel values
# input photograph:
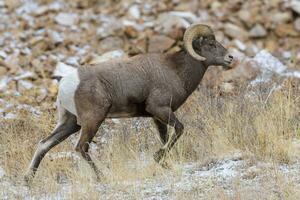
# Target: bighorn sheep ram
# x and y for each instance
(149, 85)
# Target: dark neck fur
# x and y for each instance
(189, 70)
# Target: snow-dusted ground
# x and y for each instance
(184, 178)
(270, 65)
(9, 110)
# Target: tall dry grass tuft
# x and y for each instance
(262, 128)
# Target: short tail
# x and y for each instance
(58, 78)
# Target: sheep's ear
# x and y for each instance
(197, 42)
(211, 37)
(200, 39)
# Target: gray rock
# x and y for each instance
(167, 22)
(185, 15)
(281, 17)
(251, 50)
(55, 36)
(240, 45)
(134, 11)
(111, 43)
(110, 26)
(258, 31)
(160, 43)
(56, 6)
(66, 19)
(108, 56)
(235, 31)
(73, 61)
(286, 54)
(295, 6)
(25, 75)
(3, 54)
(246, 16)
(27, 7)
(297, 24)
(25, 85)
(41, 10)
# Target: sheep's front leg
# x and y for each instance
(163, 131)
(166, 116)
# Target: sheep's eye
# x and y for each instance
(212, 44)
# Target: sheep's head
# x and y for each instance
(200, 43)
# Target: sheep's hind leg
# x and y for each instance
(83, 144)
(89, 129)
(67, 125)
(166, 115)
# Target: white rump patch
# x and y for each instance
(66, 92)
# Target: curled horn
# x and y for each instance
(193, 32)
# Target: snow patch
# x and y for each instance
(295, 74)
(2, 172)
(36, 112)
(270, 65)
(6, 113)
(61, 155)
(9, 116)
(221, 170)
(269, 62)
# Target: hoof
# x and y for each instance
(165, 165)
(99, 175)
(28, 180)
(159, 156)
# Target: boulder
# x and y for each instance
(235, 32)
(66, 19)
(258, 31)
(160, 43)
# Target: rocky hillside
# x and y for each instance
(36, 35)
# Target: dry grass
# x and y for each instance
(263, 129)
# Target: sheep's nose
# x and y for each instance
(228, 58)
